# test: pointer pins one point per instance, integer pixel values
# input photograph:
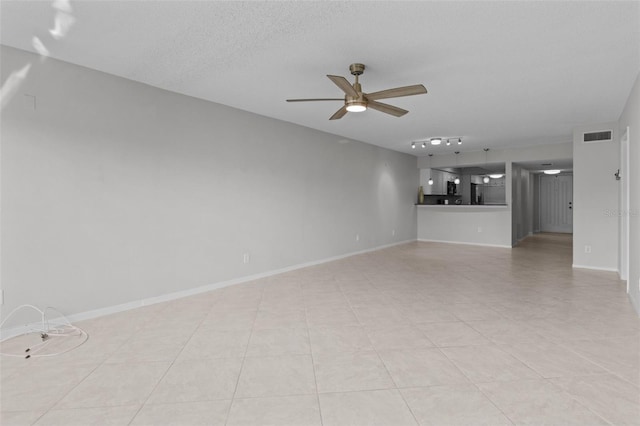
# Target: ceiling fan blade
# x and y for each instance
(389, 109)
(315, 100)
(343, 84)
(339, 113)
(417, 89)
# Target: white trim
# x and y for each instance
(464, 242)
(81, 316)
(634, 302)
(595, 268)
(624, 220)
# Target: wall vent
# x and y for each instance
(599, 136)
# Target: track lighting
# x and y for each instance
(437, 141)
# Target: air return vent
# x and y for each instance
(600, 136)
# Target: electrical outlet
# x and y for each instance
(587, 249)
(357, 237)
(246, 258)
(479, 228)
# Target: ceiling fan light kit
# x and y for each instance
(356, 105)
(355, 100)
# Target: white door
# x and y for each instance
(556, 203)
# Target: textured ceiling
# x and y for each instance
(498, 73)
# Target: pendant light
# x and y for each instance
(486, 178)
(457, 179)
(430, 181)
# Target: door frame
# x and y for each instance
(624, 213)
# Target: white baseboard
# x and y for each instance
(524, 238)
(464, 243)
(16, 331)
(594, 268)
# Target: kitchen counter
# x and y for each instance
(464, 206)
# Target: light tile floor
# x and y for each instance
(422, 333)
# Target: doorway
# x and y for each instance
(556, 203)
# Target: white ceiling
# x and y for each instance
(498, 73)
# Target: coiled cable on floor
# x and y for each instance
(48, 330)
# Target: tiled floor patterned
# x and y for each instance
(417, 334)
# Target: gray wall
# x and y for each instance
(631, 117)
(114, 191)
(490, 226)
(522, 198)
(595, 192)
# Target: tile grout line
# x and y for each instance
(313, 362)
(244, 357)
(475, 384)
(169, 368)
(381, 360)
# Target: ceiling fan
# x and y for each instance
(355, 100)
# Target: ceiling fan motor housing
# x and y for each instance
(356, 69)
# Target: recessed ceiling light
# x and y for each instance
(551, 172)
